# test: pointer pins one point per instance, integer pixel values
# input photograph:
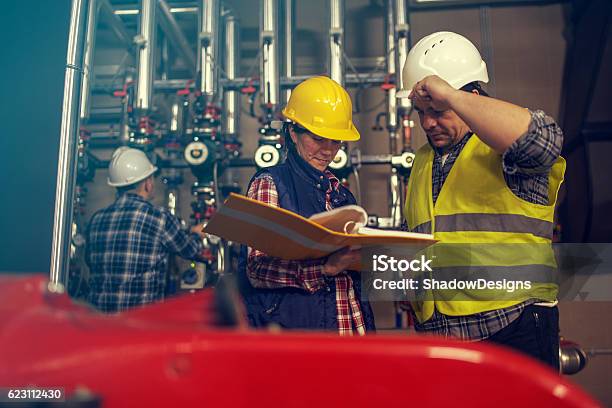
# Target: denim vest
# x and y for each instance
(301, 188)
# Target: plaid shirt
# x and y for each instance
(128, 245)
(526, 165)
(271, 273)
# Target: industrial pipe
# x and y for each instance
(390, 53)
(90, 39)
(67, 161)
(231, 100)
(336, 40)
(402, 45)
(173, 85)
(146, 63)
(289, 14)
(164, 66)
(268, 41)
(208, 48)
(176, 119)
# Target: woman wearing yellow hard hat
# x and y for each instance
(317, 293)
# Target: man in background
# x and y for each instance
(129, 242)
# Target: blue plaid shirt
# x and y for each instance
(128, 246)
(526, 165)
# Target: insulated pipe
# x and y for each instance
(289, 10)
(164, 58)
(208, 49)
(115, 23)
(391, 58)
(402, 39)
(67, 161)
(396, 201)
(175, 120)
(173, 10)
(173, 85)
(390, 53)
(175, 36)
(231, 100)
(172, 194)
(90, 40)
(336, 40)
(268, 41)
(146, 63)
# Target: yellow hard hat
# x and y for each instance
(322, 106)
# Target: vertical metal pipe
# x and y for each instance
(164, 57)
(208, 49)
(172, 194)
(288, 30)
(402, 44)
(90, 41)
(124, 127)
(336, 40)
(175, 120)
(146, 61)
(231, 100)
(392, 68)
(390, 53)
(66, 167)
(268, 40)
(395, 203)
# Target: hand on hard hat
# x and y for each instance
(433, 91)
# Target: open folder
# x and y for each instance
(284, 234)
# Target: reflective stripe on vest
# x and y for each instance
(489, 222)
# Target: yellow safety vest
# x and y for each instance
(476, 209)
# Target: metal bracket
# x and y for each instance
(140, 41)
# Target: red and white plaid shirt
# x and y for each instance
(268, 272)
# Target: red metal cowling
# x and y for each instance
(172, 355)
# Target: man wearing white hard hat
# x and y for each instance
(129, 242)
(486, 186)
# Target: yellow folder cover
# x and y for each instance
(284, 234)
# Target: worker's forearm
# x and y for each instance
(497, 123)
(268, 272)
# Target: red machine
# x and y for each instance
(174, 354)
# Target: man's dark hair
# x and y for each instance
(474, 86)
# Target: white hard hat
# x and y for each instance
(128, 166)
(448, 55)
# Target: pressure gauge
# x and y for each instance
(340, 161)
(266, 156)
(196, 153)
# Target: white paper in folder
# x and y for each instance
(352, 219)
